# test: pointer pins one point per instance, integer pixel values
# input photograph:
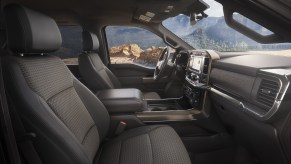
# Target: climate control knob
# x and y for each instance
(194, 77)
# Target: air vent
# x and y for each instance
(206, 65)
(268, 92)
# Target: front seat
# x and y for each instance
(70, 122)
(94, 73)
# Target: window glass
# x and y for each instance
(213, 32)
(71, 44)
(251, 24)
(133, 45)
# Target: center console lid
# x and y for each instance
(122, 100)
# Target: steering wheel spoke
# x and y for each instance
(162, 64)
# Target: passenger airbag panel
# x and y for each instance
(236, 84)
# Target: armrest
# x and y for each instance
(122, 100)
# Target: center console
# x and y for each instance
(193, 105)
(128, 105)
(197, 77)
(128, 109)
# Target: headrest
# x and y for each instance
(30, 32)
(90, 41)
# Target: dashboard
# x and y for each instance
(257, 84)
(251, 95)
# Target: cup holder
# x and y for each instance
(164, 104)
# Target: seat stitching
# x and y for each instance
(109, 83)
(59, 93)
(86, 135)
(26, 80)
(104, 68)
(152, 153)
(98, 70)
(121, 144)
(91, 62)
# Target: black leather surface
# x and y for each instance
(31, 32)
(238, 84)
(122, 100)
(251, 64)
(90, 41)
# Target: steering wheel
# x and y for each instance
(163, 66)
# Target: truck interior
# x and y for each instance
(145, 82)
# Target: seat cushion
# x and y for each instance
(151, 95)
(157, 144)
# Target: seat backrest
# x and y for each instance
(94, 73)
(68, 119)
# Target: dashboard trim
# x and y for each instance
(170, 115)
(242, 106)
(249, 109)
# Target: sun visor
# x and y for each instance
(156, 12)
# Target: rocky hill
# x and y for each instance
(118, 35)
(132, 53)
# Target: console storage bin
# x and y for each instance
(122, 100)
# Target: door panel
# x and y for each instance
(125, 69)
(137, 76)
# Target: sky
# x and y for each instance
(215, 8)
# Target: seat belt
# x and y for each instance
(10, 142)
(23, 139)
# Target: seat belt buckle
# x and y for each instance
(26, 137)
(120, 127)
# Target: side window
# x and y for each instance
(71, 44)
(133, 45)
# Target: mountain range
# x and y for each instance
(208, 33)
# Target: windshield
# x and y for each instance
(213, 33)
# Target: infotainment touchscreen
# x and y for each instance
(195, 63)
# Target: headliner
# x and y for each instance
(92, 11)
